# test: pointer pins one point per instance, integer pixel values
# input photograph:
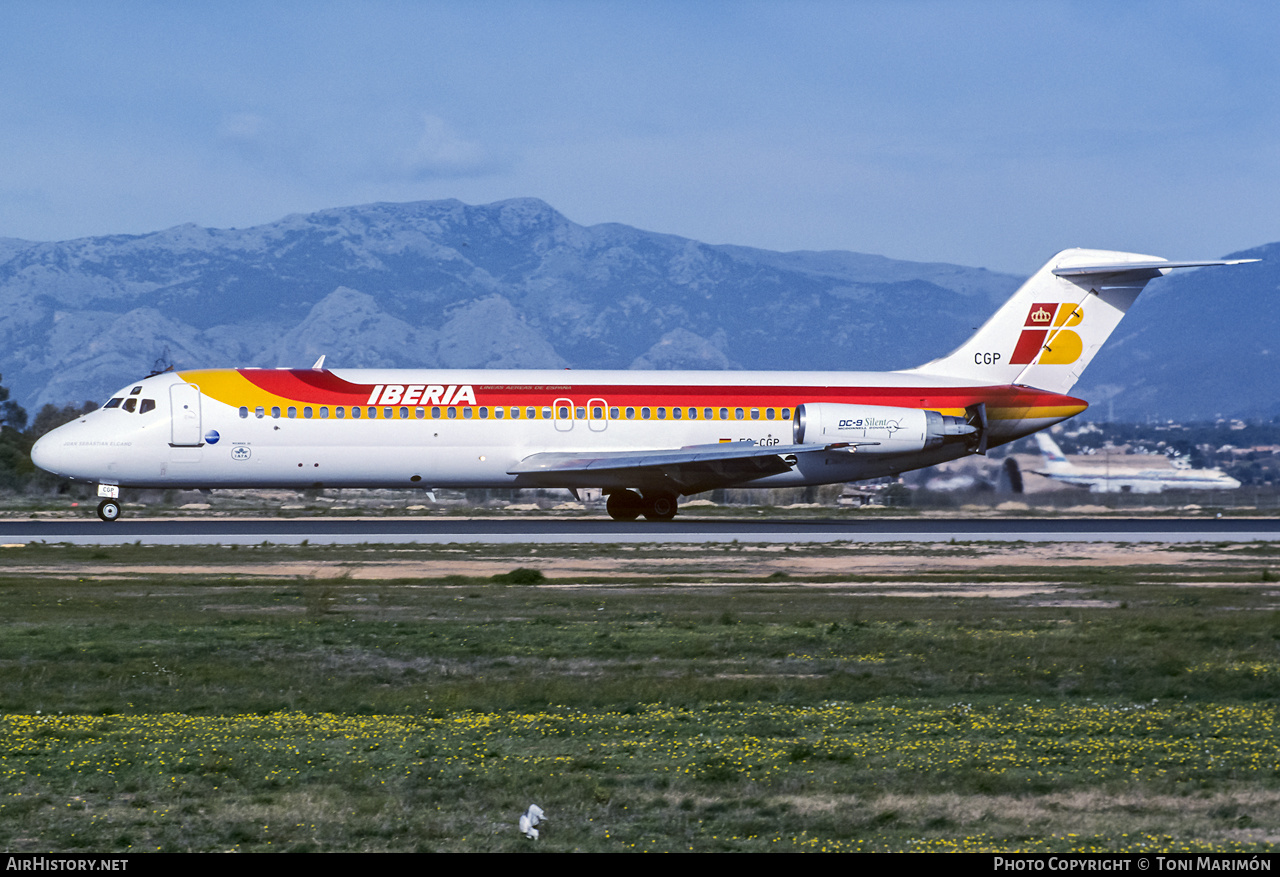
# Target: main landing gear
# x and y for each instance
(627, 505)
(109, 509)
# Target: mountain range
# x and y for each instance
(516, 284)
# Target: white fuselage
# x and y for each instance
(268, 427)
(1147, 480)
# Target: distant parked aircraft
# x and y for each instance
(1121, 481)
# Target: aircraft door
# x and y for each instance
(184, 402)
(597, 415)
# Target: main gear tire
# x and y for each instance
(624, 505)
(109, 510)
(660, 506)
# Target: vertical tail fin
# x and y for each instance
(1055, 463)
(1055, 323)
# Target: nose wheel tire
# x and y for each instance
(109, 510)
(660, 506)
(625, 505)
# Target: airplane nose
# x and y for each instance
(44, 454)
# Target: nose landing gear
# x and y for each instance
(109, 510)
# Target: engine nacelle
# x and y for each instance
(894, 430)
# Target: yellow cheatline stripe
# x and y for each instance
(1034, 412)
(232, 388)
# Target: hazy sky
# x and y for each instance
(984, 133)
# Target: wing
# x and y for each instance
(1076, 480)
(686, 470)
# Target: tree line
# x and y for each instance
(17, 473)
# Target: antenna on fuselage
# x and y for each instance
(163, 363)
(319, 362)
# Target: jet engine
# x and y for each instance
(877, 429)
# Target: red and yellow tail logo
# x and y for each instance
(1045, 333)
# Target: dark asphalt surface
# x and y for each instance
(498, 530)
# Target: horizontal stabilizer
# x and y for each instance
(1143, 268)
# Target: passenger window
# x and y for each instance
(259, 412)
(755, 413)
(530, 413)
(466, 413)
(631, 414)
(564, 413)
(131, 405)
(676, 413)
(499, 412)
(419, 413)
(324, 412)
(580, 413)
(244, 412)
(453, 412)
(435, 413)
(693, 413)
(293, 413)
(662, 413)
(546, 413)
(388, 413)
(340, 412)
(275, 411)
(306, 412)
(768, 413)
(355, 412)
(484, 413)
(706, 414)
(644, 413)
(147, 405)
(597, 412)
(404, 413)
(786, 413)
(613, 413)
(115, 403)
(737, 414)
(515, 413)
(373, 413)
(724, 413)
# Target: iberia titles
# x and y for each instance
(422, 394)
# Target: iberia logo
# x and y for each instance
(1045, 334)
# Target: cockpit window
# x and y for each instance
(147, 405)
(135, 391)
(130, 404)
(114, 403)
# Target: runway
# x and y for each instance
(424, 530)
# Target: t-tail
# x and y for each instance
(1054, 325)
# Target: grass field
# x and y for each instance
(970, 697)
